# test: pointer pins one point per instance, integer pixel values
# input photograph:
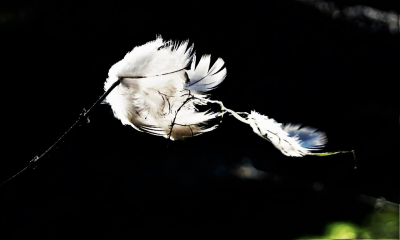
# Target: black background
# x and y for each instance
(284, 59)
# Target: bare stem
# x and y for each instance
(224, 109)
(83, 117)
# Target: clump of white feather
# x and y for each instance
(158, 93)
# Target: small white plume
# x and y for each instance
(291, 140)
(158, 94)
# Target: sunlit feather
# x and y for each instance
(158, 94)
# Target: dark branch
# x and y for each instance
(122, 77)
(84, 116)
(190, 97)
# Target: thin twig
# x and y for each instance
(355, 159)
(82, 117)
(224, 109)
(190, 97)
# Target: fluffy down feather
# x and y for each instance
(291, 140)
(156, 84)
(158, 95)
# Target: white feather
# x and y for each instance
(202, 79)
(158, 95)
(291, 140)
(156, 85)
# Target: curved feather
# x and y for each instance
(308, 137)
(291, 140)
(153, 95)
(201, 78)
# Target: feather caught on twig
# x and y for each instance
(152, 90)
(158, 94)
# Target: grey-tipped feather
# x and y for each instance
(308, 137)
